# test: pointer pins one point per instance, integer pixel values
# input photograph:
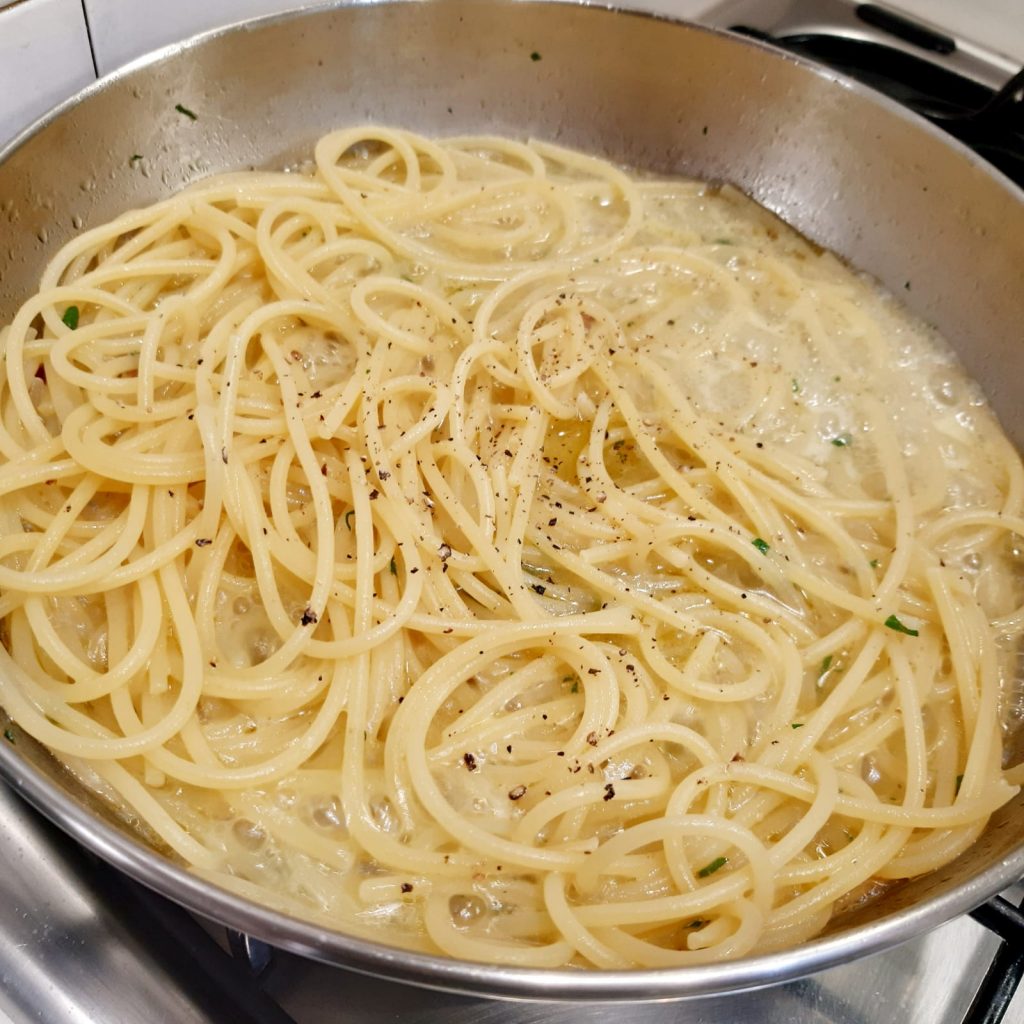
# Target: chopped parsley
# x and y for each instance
(184, 110)
(9, 736)
(796, 386)
(575, 688)
(710, 869)
(134, 159)
(873, 563)
(826, 664)
(70, 317)
(796, 725)
(841, 441)
(893, 623)
(761, 545)
(394, 568)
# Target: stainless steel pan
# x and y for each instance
(850, 169)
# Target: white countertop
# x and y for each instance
(45, 54)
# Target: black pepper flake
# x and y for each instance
(202, 542)
(384, 475)
(309, 617)
(407, 887)
(609, 791)
(470, 761)
(538, 588)
(224, 456)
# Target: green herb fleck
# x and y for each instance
(959, 781)
(394, 568)
(796, 725)
(70, 317)
(836, 379)
(796, 386)
(710, 869)
(724, 241)
(761, 545)
(841, 441)
(348, 517)
(134, 159)
(826, 664)
(893, 623)
(873, 563)
(184, 110)
(9, 736)
(535, 56)
(575, 688)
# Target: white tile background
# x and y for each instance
(45, 54)
(44, 58)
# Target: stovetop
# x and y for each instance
(81, 943)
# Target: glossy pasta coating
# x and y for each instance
(475, 547)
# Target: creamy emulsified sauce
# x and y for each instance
(473, 547)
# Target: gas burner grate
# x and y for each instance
(989, 121)
(992, 1000)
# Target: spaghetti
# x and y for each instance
(474, 547)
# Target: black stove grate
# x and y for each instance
(990, 122)
(1007, 968)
